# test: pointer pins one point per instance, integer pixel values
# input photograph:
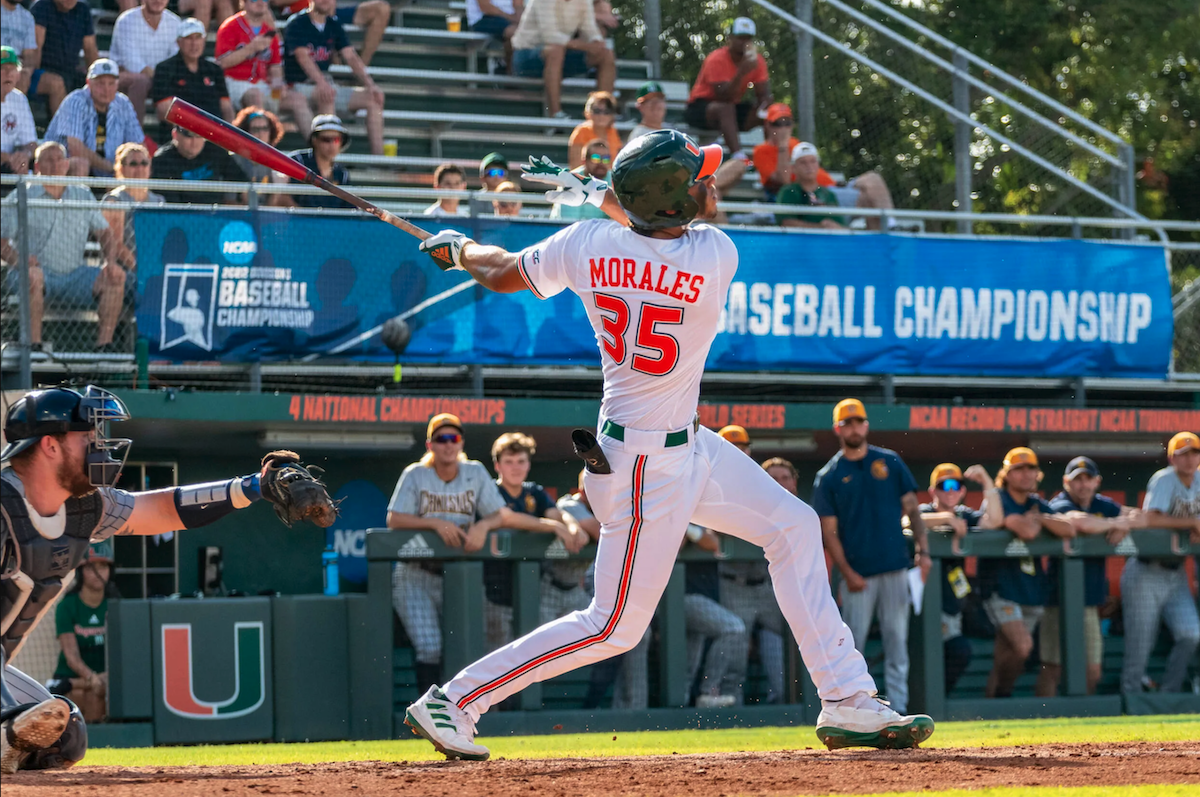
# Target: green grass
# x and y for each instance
(1005, 733)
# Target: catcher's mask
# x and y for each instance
(653, 176)
(59, 410)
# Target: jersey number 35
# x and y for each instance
(661, 349)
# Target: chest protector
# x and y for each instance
(45, 563)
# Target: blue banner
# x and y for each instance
(235, 285)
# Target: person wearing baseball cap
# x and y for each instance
(455, 498)
(1156, 589)
(1090, 513)
(1016, 590)
(652, 105)
(716, 101)
(327, 138)
(94, 121)
(191, 77)
(20, 136)
(861, 495)
(807, 190)
(737, 435)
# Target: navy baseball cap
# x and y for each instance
(1081, 465)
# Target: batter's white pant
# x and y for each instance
(644, 507)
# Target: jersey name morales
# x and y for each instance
(616, 272)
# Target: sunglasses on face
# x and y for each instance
(782, 123)
(604, 110)
(186, 133)
(330, 139)
(950, 485)
(596, 157)
(497, 172)
(132, 164)
(260, 128)
(448, 437)
(1021, 467)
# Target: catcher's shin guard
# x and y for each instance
(29, 731)
(69, 749)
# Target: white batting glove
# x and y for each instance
(446, 248)
(572, 189)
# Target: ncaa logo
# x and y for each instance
(238, 244)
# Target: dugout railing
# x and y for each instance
(463, 633)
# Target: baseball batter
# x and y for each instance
(653, 288)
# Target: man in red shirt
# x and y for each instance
(248, 49)
(716, 100)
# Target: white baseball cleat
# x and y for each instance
(866, 721)
(447, 727)
(36, 728)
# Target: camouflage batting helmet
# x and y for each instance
(653, 174)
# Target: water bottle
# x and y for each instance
(329, 569)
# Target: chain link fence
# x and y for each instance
(1185, 285)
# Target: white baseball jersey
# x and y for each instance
(654, 305)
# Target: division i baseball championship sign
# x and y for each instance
(235, 285)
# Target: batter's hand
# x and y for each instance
(574, 190)
(446, 249)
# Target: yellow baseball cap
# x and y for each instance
(1184, 441)
(440, 420)
(847, 409)
(947, 470)
(1020, 456)
(735, 434)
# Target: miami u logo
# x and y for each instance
(249, 684)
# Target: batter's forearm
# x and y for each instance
(492, 267)
(612, 208)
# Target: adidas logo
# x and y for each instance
(1126, 547)
(416, 548)
(556, 550)
(1016, 548)
(442, 253)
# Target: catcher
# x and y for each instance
(56, 499)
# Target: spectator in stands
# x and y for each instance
(132, 163)
(773, 157)
(652, 104)
(1090, 513)
(447, 177)
(94, 121)
(143, 38)
(1014, 590)
(203, 10)
(501, 208)
(947, 512)
(532, 510)
(563, 588)
(250, 52)
(81, 622)
(497, 18)
(557, 39)
(311, 39)
(606, 19)
(596, 162)
(711, 625)
(18, 136)
(63, 28)
(58, 272)
(808, 191)
(190, 157)
(1155, 589)
(860, 495)
(493, 171)
(327, 138)
(372, 17)
(599, 113)
(454, 497)
(716, 99)
(17, 30)
(265, 126)
(190, 76)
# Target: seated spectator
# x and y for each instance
(532, 510)
(447, 177)
(1015, 590)
(497, 18)
(311, 39)
(599, 113)
(947, 512)
(652, 105)
(1090, 513)
(606, 19)
(711, 625)
(501, 208)
(250, 52)
(190, 157)
(327, 138)
(58, 272)
(190, 76)
(456, 498)
(493, 170)
(596, 162)
(557, 39)
(808, 191)
(142, 39)
(94, 121)
(63, 28)
(206, 11)
(18, 136)
(81, 622)
(265, 126)
(371, 16)
(1155, 590)
(773, 158)
(716, 99)
(132, 163)
(17, 30)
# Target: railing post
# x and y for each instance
(527, 599)
(927, 676)
(1127, 183)
(1070, 625)
(672, 649)
(26, 367)
(962, 144)
(462, 615)
(806, 119)
(652, 18)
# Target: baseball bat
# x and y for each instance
(226, 136)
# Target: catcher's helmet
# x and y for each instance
(59, 410)
(653, 173)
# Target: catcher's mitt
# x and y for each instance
(293, 490)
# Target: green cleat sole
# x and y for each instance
(450, 754)
(893, 737)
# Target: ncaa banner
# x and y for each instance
(236, 285)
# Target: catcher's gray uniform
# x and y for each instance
(747, 592)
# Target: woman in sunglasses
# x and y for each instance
(265, 126)
(132, 162)
(600, 113)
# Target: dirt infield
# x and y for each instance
(790, 772)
